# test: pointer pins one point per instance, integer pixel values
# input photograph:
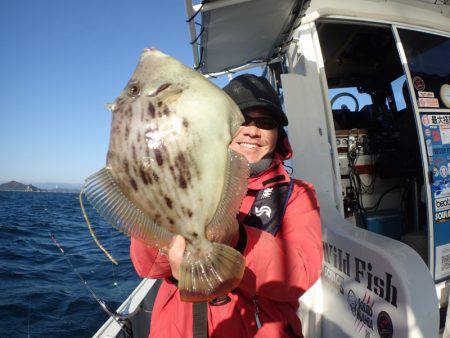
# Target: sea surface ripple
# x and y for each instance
(40, 294)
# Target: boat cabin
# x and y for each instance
(366, 87)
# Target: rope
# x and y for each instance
(195, 14)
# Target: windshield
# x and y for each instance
(365, 76)
(348, 98)
(429, 63)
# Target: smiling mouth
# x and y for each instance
(248, 145)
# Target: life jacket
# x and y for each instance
(269, 207)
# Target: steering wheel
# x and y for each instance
(338, 96)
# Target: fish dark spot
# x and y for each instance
(194, 234)
(168, 202)
(189, 212)
(143, 176)
(126, 165)
(128, 110)
(182, 182)
(159, 157)
(110, 154)
(170, 220)
(183, 170)
(185, 123)
(159, 104)
(166, 111)
(182, 159)
(151, 110)
(172, 172)
(133, 151)
(133, 184)
(197, 171)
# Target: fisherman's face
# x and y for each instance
(257, 136)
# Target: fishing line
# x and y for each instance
(111, 258)
(120, 319)
(113, 269)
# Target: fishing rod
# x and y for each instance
(120, 319)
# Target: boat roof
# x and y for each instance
(244, 32)
(234, 33)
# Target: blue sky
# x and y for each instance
(60, 63)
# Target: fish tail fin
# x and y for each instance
(210, 271)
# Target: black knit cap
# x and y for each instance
(249, 90)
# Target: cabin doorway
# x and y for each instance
(376, 132)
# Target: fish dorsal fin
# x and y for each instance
(223, 225)
(105, 196)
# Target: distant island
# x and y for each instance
(17, 186)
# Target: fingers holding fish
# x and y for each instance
(175, 253)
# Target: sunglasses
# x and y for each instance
(261, 122)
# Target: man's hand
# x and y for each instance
(175, 252)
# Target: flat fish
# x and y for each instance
(169, 171)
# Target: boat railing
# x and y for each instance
(136, 308)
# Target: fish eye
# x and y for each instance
(133, 90)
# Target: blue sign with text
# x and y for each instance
(436, 132)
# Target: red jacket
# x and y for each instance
(278, 271)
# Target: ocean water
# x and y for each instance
(40, 295)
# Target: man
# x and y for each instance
(280, 236)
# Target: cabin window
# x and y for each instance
(429, 63)
(356, 101)
(397, 89)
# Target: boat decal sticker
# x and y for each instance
(426, 102)
(363, 272)
(361, 309)
(418, 82)
(443, 260)
(384, 325)
(425, 120)
(425, 94)
(442, 203)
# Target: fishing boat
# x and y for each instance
(366, 87)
